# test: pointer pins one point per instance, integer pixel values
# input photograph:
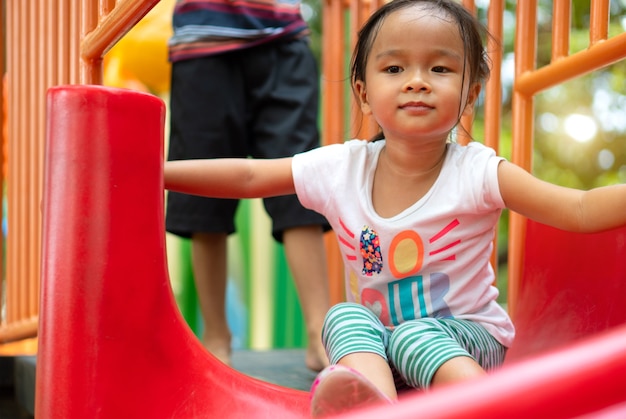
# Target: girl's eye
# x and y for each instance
(440, 69)
(393, 69)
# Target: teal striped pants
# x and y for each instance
(414, 349)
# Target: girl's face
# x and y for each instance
(415, 84)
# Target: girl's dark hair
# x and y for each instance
(470, 29)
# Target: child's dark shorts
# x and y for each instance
(259, 102)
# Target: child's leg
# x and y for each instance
(442, 351)
(456, 370)
(209, 272)
(355, 341)
(375, 369)
(354, 337)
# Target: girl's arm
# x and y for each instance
(564, 208)
(230, 178)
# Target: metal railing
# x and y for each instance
(531, 80)
(48, 43)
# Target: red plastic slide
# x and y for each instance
(113, 344)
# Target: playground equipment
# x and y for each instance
(98, 359)
(113, 344)
(112, 341)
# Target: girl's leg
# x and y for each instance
(360, 376)
(374, 368)
(456, 370)
(430, 352)
(354, 337)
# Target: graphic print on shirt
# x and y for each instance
(370, 252)
(375, 301)
(414, 293)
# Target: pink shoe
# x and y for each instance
(338, 389)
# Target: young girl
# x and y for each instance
(414, 213)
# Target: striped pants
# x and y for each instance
(415, 349)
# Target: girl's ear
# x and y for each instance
(361, 94)
(472, 96)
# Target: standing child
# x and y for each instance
(414, 213)
(245, 83)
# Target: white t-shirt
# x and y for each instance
(432, 259)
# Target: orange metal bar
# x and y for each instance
(90, 67)
(357, 119)
(599, 21)
(583, 62)
(470, 5)
(332, 71)
(368, 127)
(63, 36)
(493, 90)
(561, 13)
(523, 108)
(74, 37)
(333, 104)
(101, 38)
(360, 10)
(105, 7)
(2, 140)
(22, 181)
(11, 92)
(36, 135)
(464, 135)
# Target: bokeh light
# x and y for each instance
(581, 128)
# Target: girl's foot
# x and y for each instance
(338, 389)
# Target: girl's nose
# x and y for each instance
(416, 82)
